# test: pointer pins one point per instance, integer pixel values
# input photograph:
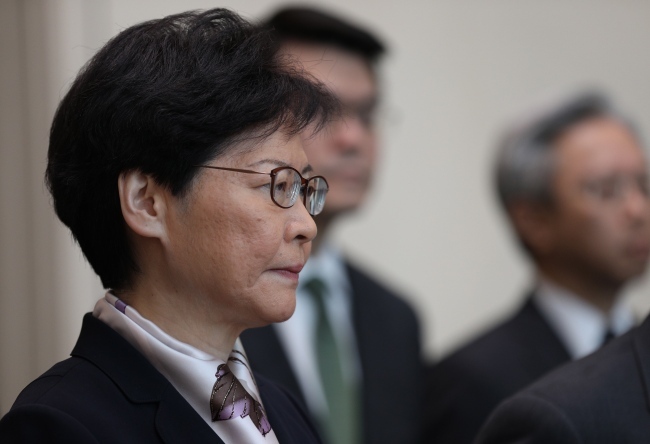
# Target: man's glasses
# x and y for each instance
(614, 189)
(287, 184)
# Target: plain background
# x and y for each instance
(456, 72)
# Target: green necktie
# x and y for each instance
(342, 424)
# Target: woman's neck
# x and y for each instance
(182, 316)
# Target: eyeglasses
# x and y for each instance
(287, 184)
(614, 189)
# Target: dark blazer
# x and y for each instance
(603, 398)
(388, 341)
(463, 389)
(108, 392)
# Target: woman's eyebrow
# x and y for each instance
(271, 161)
(280, 163)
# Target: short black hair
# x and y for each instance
(317, 26)
(161, 97)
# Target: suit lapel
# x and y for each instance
(540, 343)
(140, 382)
(265, 351)
(366, 325)
(178, 425)
(642, 355)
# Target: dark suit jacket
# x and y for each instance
(603, 398)
(388, 341)
(463, 389)
(108, 392)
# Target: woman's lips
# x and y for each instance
(290, 272)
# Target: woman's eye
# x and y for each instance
(281, 186)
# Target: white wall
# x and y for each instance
(456, 71)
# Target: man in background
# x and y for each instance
(572, 180)
(351, 352)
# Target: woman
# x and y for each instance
(175, 161)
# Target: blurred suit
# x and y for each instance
(469, 384)
(601, 399)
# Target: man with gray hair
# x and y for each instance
(572, 180)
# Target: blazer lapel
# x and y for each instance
(375, 368)
(540, 344)
(642, 355)
(176, 420)
(178, 425)
(266, 355)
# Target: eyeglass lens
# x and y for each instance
(614, 188)
(315, 193)
(287, 187)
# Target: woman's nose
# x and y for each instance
(301, 227)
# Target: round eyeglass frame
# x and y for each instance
(273, 173)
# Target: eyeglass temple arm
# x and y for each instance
(230, 169)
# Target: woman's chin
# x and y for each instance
(286, 315)
(280, 311)
(285, 312)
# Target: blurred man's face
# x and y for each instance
(600, 220)
(345, 152)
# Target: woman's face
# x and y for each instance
(230, 247)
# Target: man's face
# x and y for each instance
(345, 152)
(600, 218)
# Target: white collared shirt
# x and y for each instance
(297, 335)
(580, 326)
(190, 370)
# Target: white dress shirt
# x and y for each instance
(580, 326)
(297, 335)
(190, 370)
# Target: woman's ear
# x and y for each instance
(144, 203)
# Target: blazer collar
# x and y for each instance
(642, 352)
(176, 420)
